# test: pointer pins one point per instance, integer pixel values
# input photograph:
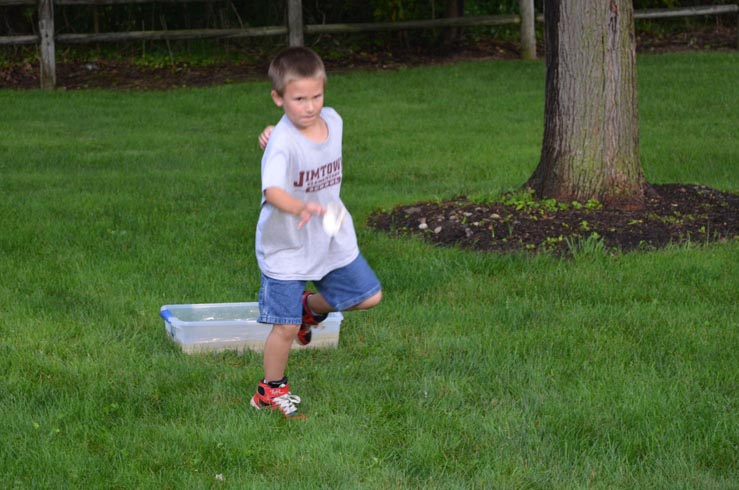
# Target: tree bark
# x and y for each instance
(590, 148)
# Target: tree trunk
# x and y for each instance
(590, 148)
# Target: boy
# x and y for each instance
(301, 175)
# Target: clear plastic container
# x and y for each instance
(214, 327)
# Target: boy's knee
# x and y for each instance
(370, 302)
(286, 332)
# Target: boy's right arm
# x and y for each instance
(283, 201)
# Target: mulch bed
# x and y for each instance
(674, 214)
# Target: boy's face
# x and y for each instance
(302, 101)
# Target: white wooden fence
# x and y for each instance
(295, 30)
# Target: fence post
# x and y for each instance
(46, 35)
(528, 31)
(295, 22)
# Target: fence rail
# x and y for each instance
(493, 20)
(294, 30)
(33, 3)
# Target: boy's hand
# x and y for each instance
(310, 209)
(264, 137)
(283, 201)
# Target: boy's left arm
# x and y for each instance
(264, 136)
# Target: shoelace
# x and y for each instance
(286, 403)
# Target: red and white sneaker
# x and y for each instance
(309, 319)
(278, 398)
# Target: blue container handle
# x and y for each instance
(166, 314)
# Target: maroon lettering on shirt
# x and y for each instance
(320, 177)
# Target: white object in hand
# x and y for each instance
(333, 218)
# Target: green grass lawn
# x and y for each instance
(476, 371)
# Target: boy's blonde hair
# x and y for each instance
(293, 64)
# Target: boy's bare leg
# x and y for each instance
(319, 305)
(277, 350)
(368, 303)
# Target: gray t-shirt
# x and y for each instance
(309, 171)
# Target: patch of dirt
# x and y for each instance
(719, 37)
(674, 214)
(128, 75)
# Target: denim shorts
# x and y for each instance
(280, 301)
